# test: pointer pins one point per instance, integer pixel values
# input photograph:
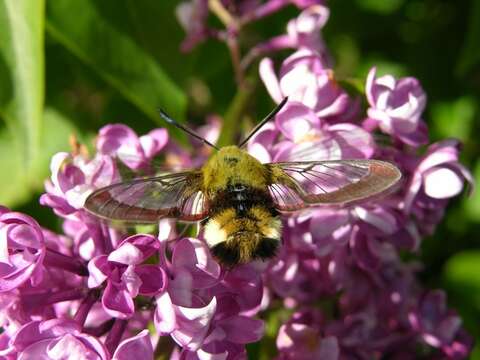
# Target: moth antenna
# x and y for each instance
(264, 121)
(189, 131)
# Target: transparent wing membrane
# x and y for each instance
(300, 184)
(150, 199)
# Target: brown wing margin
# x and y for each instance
(147, 200)
(296, 185)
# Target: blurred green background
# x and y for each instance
(69, 67)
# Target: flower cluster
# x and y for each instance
(193, 16)
(338, 288)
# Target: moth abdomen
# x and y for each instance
(243, 225)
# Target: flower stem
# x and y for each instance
(235, 112)
(84, 308)
(65, 262)
(101, 329)
(233, 27)
(50, 297)
(115, 335)
(222, 13)
(262, 11)
(234, 48)
(67, 295)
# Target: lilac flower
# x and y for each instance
(183, 312)
(304, 78)
(229, 332)
(192, 15)
(188, 326)
(73, 179)
(126, 276)
(55, 339)
(201, 311)
(271, 6)
(349, 250)
(440, 327)
(396, 106)
(22, 250)
(338, 273)
(437, 177)
(300, 135)
(300, 338)
(303, 32)
(137, 347)
(136, 152)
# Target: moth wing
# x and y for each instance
(296, 185)
(344, 141)
(149, 199)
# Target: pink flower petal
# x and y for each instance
(442, 183)
(269, 78)
(164, 318)
(242, 330)
(137, 347)
(153, 279)
(127, 254)
(98, 269)
(117, 302)
(193, 325)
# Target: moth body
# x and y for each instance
(238, 199)
(243, 223)
(231, 165)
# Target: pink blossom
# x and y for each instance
(440, 327)
(304, 78)
(300, 338)
(73, 178)
(23, 250)
(136, 152)
(438, 173)
(338, 287)
(437, 177)
(137, 347)
(126, 276)
(192, 16)
(303, 32)
(201, 310)
(396, 106)
(55, 339)
(300, 135)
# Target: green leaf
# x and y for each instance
(17, 185)
(461, 275)
(56, 132)
(101, 34)
(22, 76)
(472, 203)
(383, 66)
(13, 185)
(383, 7)
(470, 55)
(454, 119)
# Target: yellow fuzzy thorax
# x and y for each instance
(233, 165)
